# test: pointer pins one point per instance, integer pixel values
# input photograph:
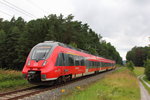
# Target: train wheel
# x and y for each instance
(59, 80)
(96, 72)
(64, 79)
(70, 77)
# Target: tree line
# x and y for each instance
(17, 37)
(138, 55)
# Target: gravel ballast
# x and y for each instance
(55, 94)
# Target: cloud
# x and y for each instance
(124, 23)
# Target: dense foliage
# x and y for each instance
(17, 37)
(138, 55)
(130, 65)
(147, 68)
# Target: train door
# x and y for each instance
(66, 67)
(62, 62)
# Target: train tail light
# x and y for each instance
(44, 63)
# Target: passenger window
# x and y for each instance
(60, 60)
(71, 60)
(87, 64)
(77, 60)
(66, 59)
(102, 64)
(82, 62)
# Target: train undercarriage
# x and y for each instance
(35, 77)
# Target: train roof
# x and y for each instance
(63, 45)
(54, 43)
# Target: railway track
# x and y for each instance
(18, 94)
(13, 95)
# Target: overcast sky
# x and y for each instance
(124, 23)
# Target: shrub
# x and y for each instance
(130, 65)
(147, 68)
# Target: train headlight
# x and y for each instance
(44, 63)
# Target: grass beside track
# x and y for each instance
(120, 85)
(11, 80)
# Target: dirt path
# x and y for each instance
(144, 93)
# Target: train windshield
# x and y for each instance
(40, 52)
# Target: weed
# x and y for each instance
(121, 85)
(10, 80)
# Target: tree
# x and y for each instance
(11, 45)
(130, 65)
(138, 55)
(17, 37)
(2, 48)
(147, 68)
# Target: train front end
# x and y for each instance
(40, 64)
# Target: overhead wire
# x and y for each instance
(10, 5)
(5, 13)
(19, 8)
(35, 5)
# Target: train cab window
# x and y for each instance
(40, 52)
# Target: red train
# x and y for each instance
(54, 61)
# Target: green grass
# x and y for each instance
(120, 69)
(121, 85)
(145, 79)
(139, 71)
(10, 80)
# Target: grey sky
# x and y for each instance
(124, 23)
